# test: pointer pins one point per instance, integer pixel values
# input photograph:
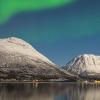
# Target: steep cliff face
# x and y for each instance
(19, 60)
(86, 65)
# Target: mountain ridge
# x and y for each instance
(19, 60)
(86, 65)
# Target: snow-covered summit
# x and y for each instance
(13, 44)
(20, 61)
(86, 63)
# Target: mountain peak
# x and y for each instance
(19, 60)
(17, 45)
(16, 41)
(88, 55)
(13, 38)
(86, 63)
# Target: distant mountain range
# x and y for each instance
(20, 61)
(85, 66)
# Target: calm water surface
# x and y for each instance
(48, 91)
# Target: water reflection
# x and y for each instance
(48, 91)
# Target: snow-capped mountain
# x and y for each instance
(13, 44)
(19, 60)
(84, 65)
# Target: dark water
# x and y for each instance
(48, 91)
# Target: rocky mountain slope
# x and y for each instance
(19, 60)
(86, 66)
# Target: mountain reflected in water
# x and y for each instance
(48, 91)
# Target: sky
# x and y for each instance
(59, 29)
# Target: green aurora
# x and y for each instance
(8, 8)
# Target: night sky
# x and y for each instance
(59, 29)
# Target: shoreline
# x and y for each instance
(83, 82)
(35, 82)
(30, 82)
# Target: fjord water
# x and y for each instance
(48, 91)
